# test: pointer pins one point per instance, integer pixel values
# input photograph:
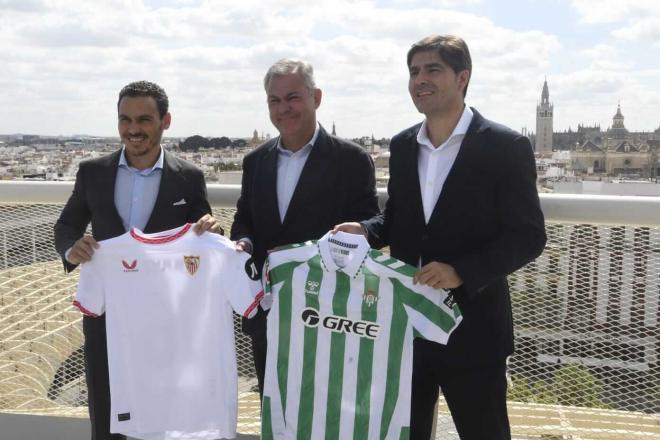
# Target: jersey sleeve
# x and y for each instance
(243, 283)
(90, 297)
(432, 312)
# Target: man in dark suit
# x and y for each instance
(141, 186)
(463, 207)
(297, 186)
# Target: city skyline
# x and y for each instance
(65, 61)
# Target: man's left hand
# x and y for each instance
(208, 223)
(350, 228)
(438, 275)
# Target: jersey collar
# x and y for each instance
(160, 237)
(356, 245)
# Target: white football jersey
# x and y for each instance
(168, 301)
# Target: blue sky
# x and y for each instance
(64, 61)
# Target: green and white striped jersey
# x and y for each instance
(340, 332)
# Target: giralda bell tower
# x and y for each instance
(544, 112)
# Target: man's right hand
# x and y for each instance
(243, 246)
(82, 250)
(350, 227)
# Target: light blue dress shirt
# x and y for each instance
(289, 167)
(136, 192)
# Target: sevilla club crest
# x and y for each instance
(192, 263)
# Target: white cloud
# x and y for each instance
(605, 57)
(613, 11)
(21, 5)
(64, 62)
(647, 28)
(635, 19)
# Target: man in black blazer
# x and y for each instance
(463, 207)
(141, 186)
(297, 186)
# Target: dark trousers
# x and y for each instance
(96, 374)
(476, 396)
(259, 356)
(255, 328)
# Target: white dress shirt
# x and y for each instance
(434, 163)
(289, 167)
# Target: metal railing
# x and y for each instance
(558, 208)
(586, 318)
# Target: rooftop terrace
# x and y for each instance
(586, 315)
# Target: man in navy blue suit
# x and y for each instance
(298, 185)
(463, 207)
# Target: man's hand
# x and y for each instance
(82, 250)
(351, 228)
(438, 275)
(243, 246)
(208, 223)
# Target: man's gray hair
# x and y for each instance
(286, 66)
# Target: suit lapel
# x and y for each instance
(107, 180)
(266, 184)
(411, 179)
(312, 175)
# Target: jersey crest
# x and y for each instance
(370, 297)
(192, 263)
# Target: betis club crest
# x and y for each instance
(192, 263)
(370, 297)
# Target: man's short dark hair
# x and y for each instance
(146, 88)
(452, 50)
